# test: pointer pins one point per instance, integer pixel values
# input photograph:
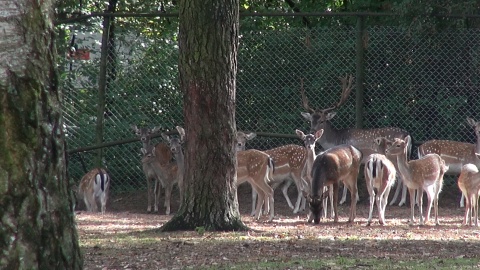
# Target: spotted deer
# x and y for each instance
(93, 188)
(424, 174)
(337, 164)
(360, 138)
(159, 168)
(289, 165)
(380, 175)
(456, 154)
(469, 184)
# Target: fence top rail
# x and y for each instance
(83, 17)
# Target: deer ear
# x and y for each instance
(307, 116)
(319, 133)
(478, 155)
(330, 115)
(165, 137)
(300, 134)
(251, 135)
(155, 129)
(471, 122)
(143, 150)
(378, 140)
(181, 132)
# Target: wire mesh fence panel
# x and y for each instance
(427, 85)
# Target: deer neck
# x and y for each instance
(330, 137)
(404, 166)
(477, 145)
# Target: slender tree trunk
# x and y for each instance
(37, 225)
(208, 43)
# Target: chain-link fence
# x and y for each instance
(425, 84)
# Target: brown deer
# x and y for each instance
(309, 141)
(454, 153)
(94, 186)
(175, 144)
(380, 175)
(424, 174)
(469, 184)
(337, 164)
(360, 138)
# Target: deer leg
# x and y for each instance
(467, 210)
(149, 196)
(285, 187)
(344, 195)
(420, 204)
(476, 209)
(431, 197)
(462, 201)
(156, 195)
(168, 195)
(254, 199)
(411, 191)
(330, 194)
(335, 201)
(371, 194)
(384, 201)
(404, 196)
(353, 203)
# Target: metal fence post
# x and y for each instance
(360, 70)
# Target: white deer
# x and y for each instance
(380, 175)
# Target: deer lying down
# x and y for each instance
(94, 186)
(469, 184)
(339, 163)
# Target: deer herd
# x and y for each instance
(384, 153)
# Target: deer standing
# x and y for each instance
(360, 138)
(424, 174)
(255, 167)
(289, 162)
(176, 148)
(337, 164)
(309, 141)
(158, 167)
(456, 154)
(380, 175)
(94, 186)
(469, 184)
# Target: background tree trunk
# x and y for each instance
(208, 43)
(37, 227)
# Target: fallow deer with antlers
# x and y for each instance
(456, 154)
(424, 174)
(360, 138)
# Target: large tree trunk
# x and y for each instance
(37, 225)
(208, 42)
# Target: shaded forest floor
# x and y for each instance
(126, 238)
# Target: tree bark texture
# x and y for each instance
(208, 44)
(37, 225)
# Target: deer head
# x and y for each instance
(318, 117)
(242, 139)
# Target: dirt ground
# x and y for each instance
(125, 237)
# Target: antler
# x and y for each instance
(304, 98)
(346, 89)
